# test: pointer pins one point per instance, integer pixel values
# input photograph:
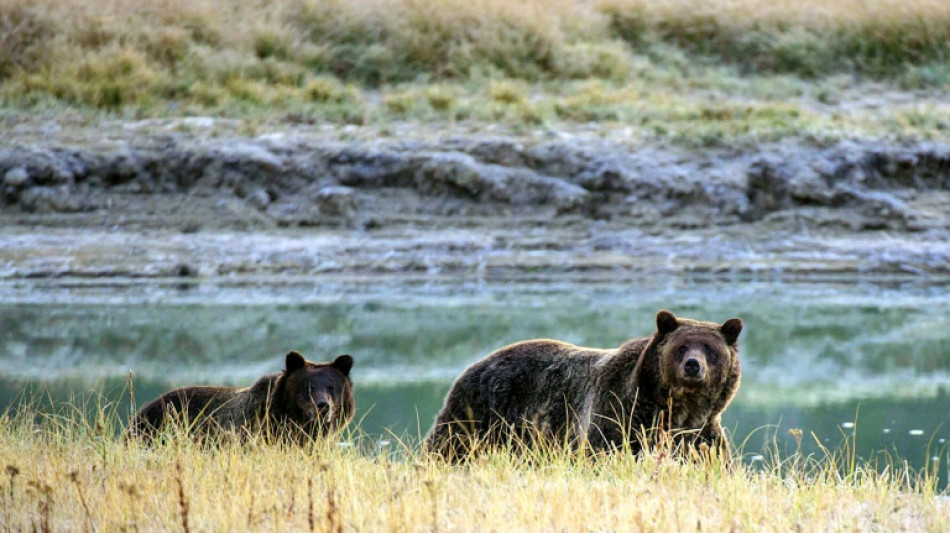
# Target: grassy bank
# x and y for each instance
(731, 68)
(172, 44)
(68, 472)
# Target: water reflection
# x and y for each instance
(816, 356)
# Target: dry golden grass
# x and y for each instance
(70, 473)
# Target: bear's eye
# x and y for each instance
(710, 353)
(330, 390)
(682, 350)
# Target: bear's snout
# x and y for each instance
(319, 408)
(324, 411)
(692, 368)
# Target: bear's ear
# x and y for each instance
(294, 361)
(666, 322)
(731, 329)
(343, 363)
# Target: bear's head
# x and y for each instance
(698, 358)
(316, 397)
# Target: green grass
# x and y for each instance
(70, 471)
(879, 38)
(687, 72)
(331, 58)
(375, 42)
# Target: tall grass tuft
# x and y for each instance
(25, 33)
(175, 484)
(183, 506)
(334, 522)
(808, 38)
(389, 41)
(88, 524)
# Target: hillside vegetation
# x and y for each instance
(522, 61)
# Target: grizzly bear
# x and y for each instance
(305, 401)
(677, 382)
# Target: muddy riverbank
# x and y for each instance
(193, 198)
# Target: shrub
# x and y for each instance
(25, 32)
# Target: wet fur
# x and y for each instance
(281, 405)
(572, 395)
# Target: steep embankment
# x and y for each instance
(177, 203)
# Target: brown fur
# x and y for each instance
(304, 401)
(567, 394)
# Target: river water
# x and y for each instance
(865, 361)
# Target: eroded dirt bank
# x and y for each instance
(159, 201)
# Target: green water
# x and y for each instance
(816, 356)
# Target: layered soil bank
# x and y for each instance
(188, 198)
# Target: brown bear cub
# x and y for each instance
(305, 401)
(679, 381)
